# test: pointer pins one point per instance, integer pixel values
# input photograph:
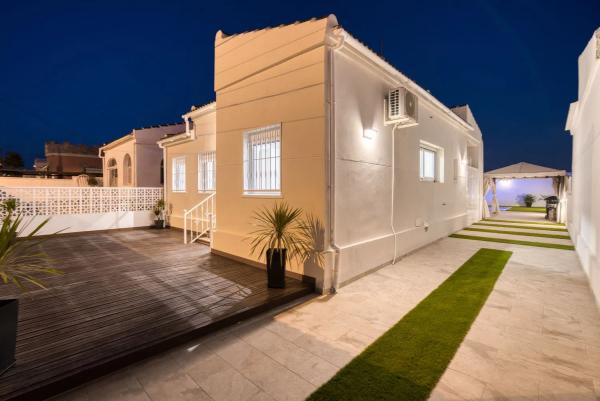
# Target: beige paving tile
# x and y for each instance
(456, 386)
(221, 381)
(119, 386)
(269, 375)
(175, 387)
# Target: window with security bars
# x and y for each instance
(262, 160)
(179, 174)
(206, 172)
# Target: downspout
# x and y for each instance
(164, 172)
(394, 232)
(331, 173)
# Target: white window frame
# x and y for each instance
(262, 161)
(207, 171)
(177, 175)
(127, 170)
(438, 158)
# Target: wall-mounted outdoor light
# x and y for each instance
(369, 133)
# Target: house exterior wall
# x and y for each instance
(265, 77)
(584, 124)
(141, 145)
(205, 141)
(363, 217)
(118, 153)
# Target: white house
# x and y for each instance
(584, 124)
(305, 113)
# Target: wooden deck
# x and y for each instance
(124, 296)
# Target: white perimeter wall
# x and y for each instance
(363, 174)
(584, 206)
(70, 223)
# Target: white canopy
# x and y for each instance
(525, 170)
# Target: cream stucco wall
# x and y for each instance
(584, 124)
(141, 145)
(265, 77)
(202, 139)
(37, 182)
(422, 211)
(118, 153)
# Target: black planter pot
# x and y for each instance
(159, 223)
(276, 259)
(9, 313)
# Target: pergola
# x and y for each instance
(526, 170)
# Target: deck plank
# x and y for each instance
(124, 296)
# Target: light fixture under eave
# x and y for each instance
(369, 133)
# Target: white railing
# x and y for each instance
(199, 220)
(50, 201)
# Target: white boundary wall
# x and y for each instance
(584, 124)
(76, 209)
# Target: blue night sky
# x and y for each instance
(89, 72)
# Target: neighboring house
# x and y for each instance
(584, 123)
(190, 162)
(135, 159)
(307, 114)
(67, 158)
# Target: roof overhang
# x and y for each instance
(345, 42)
(174, 140)
(115, 143)
(572, 116)
(200, 111)
(560, 173)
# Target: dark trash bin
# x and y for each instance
(551, 206)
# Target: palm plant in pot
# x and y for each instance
(282, 234)
(529, 199)
(21, 262)
(159, 214)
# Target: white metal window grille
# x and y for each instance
(49, 201)
(262, 160)
(207, 172)
(179, 174)
(427, 163)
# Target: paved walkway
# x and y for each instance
(537, 337)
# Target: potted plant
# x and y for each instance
(21, 262)
(281, 235)
(529, 199)
(159, 214)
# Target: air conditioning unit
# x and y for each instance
(401, 107)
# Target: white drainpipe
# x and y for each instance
(331, 173)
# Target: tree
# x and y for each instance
(12, 160)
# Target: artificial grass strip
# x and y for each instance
(408, 360)
(514, 241)
(541, 235)
(524, 227)
(527, 209)
(547, 223)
